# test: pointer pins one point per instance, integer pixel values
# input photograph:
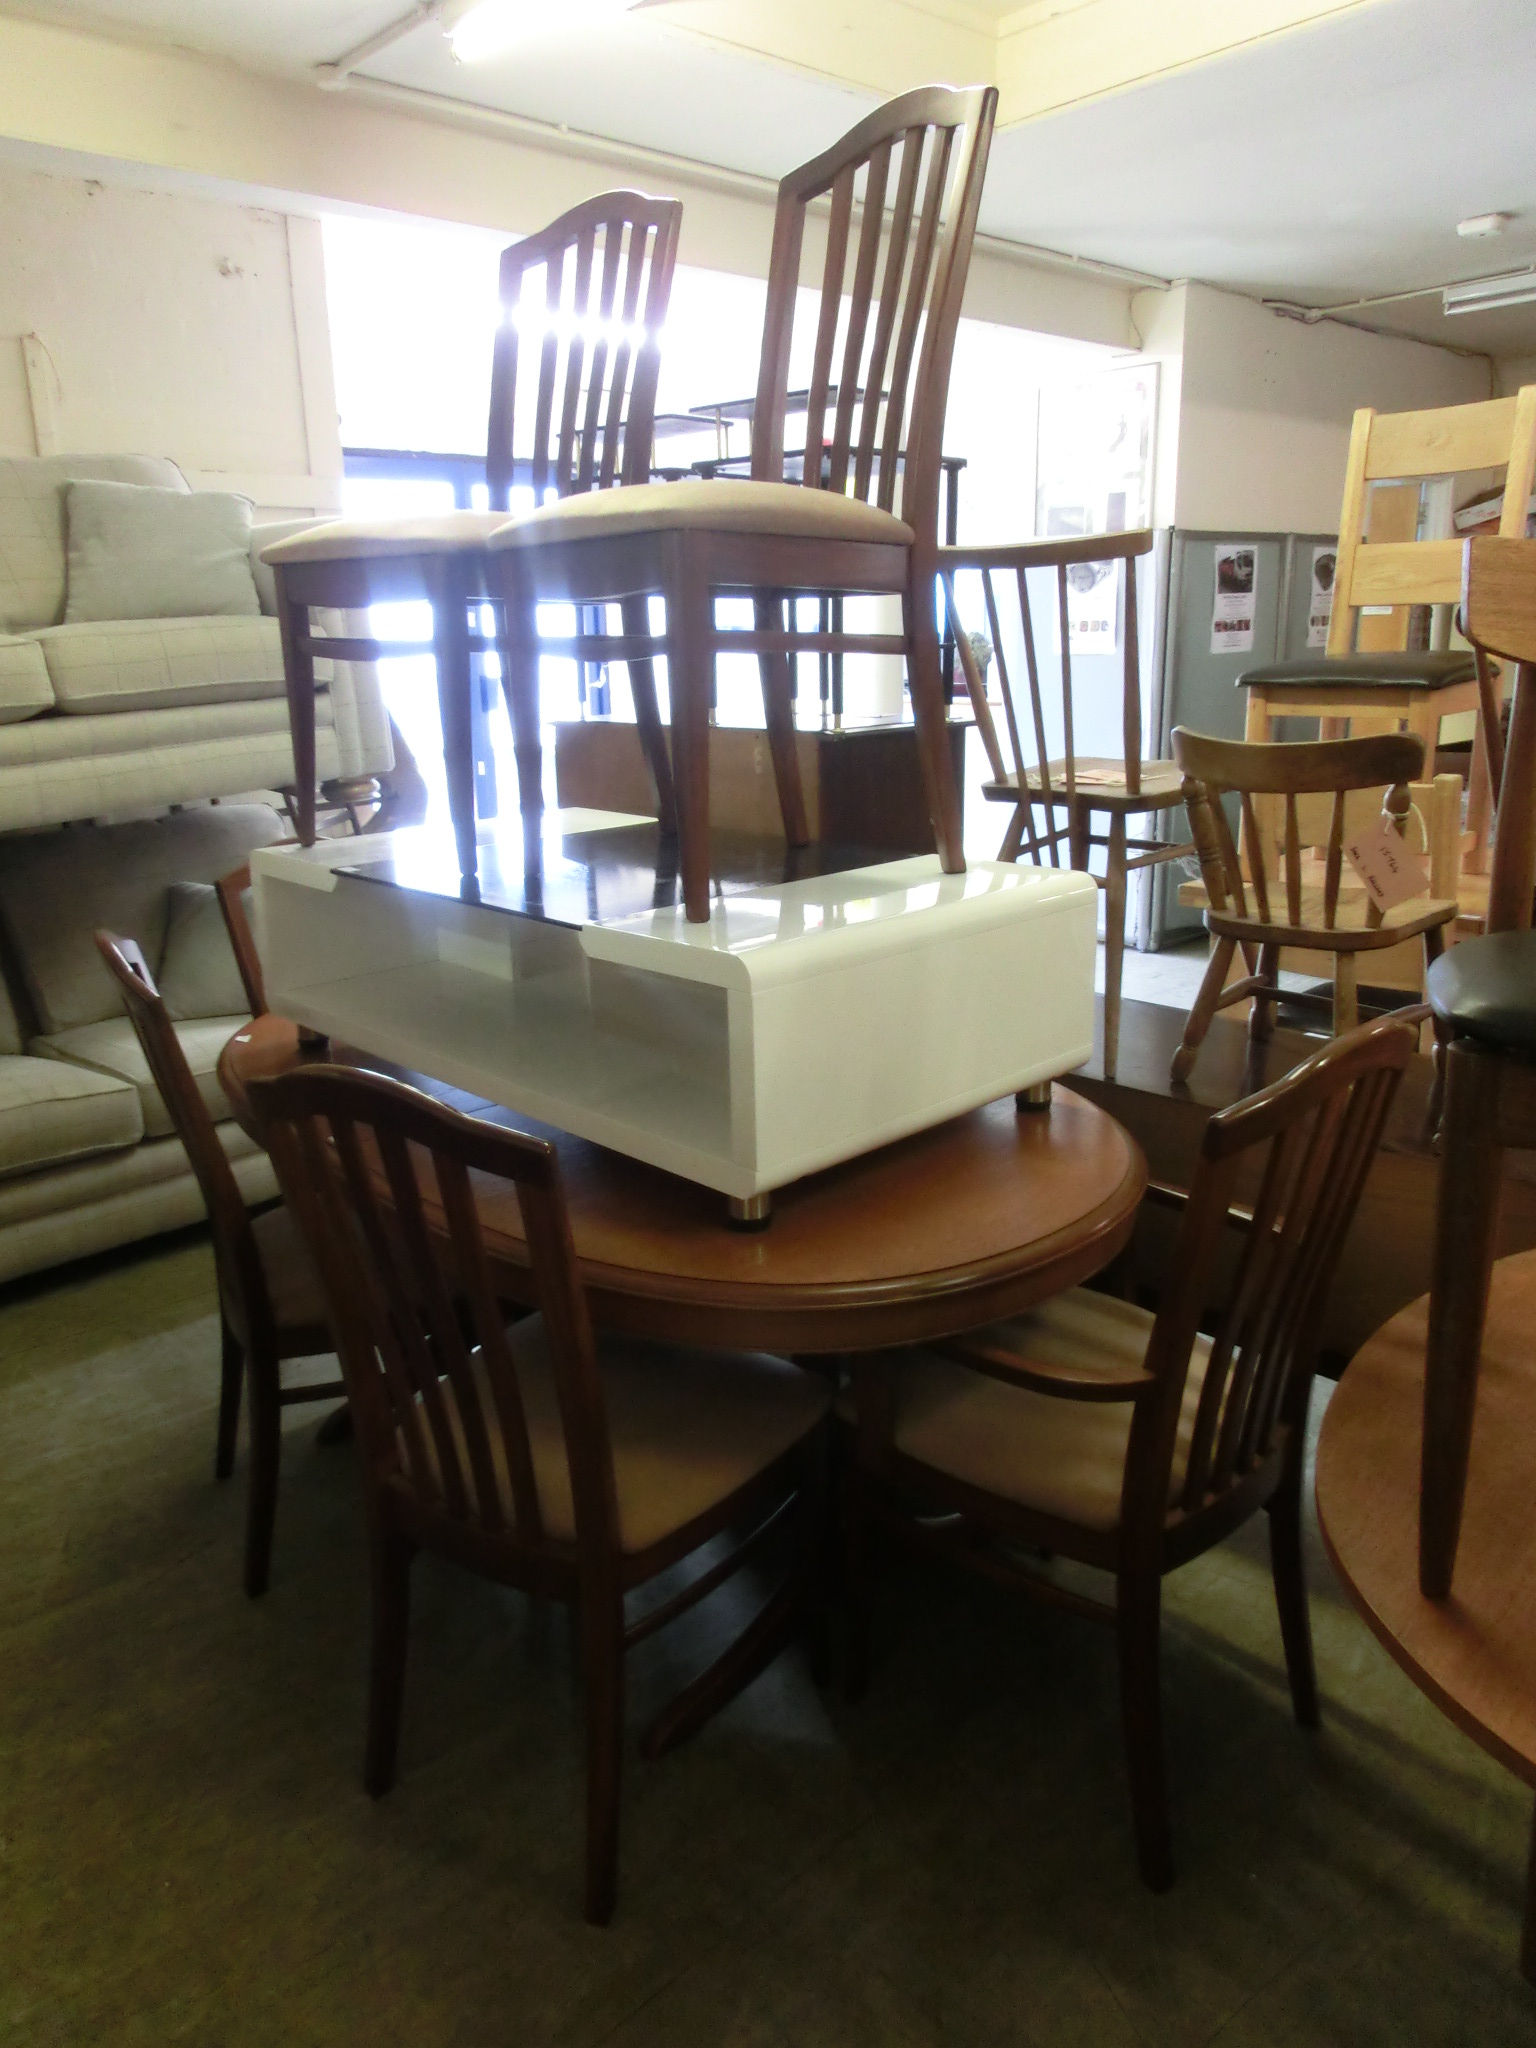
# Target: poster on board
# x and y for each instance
(1320, 610)
(1093, 603)
(1232, 607)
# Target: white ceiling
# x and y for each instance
(1321, 165)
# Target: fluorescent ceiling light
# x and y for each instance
(487, 27)
(1487, 294)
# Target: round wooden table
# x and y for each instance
(955, 1227)
(1475, 1653)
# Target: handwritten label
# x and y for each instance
(1391, 871)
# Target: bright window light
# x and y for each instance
(493, 26)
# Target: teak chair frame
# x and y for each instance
(1076, 784)
(608, 266)
(1306, 1143)
(254, 1340)
(231, 890)
(380, 1176)
(1240, 912)
(874, 432)
(1490, 1090)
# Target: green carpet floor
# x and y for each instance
(186, 1854)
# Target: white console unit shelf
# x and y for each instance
(808, 1021)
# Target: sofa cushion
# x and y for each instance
(141, 552)
(57, 887)
(32, 525)
(197, 974)
(24, 686)
(51, 1114)
(111, 1048)
(160, 664)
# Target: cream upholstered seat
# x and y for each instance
(725, 505)
(687, 1429)
(349, 540)
(1062, 1458)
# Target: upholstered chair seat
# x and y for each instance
(723, 505)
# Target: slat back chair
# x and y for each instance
(1483, 994)
(269, 1302)
(517, 1456)
(1300, 900)
(232, 890)
(871, 340)
(573, 398)
(1068, 787)
(1133, 1443)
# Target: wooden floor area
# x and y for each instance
(1387, 1259)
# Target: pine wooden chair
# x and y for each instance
(270, 1305)
(1120, 787)
(1483, 994)
(857, 513)
(541, 1457)
(232, 890)
(1094, 1431)
(1289, 892)
(593, 290)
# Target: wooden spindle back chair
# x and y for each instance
(232, 890)
(1090, 1430)
(1066, 787)
(522, 1456)
(270, 1308)
(1289, 889)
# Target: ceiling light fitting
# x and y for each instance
(1478, 225)
(476, 29)
(1488, 294)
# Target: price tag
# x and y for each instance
(1391, 871)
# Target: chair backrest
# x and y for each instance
(1498, 609)
(589, 294)
(1390, 456)
(378, 1177)
(1305, 1145)
(1309, 785)
(232, 890)
(242, 1287)
(905, 185)
(1093, 558)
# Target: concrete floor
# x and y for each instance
(186, 1853)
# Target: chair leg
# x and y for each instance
(602, 1631)
(231, 1373)
(1346, 993)
(635, 614)
(925, 680)
(1261, 1018)
(1138, 1620)
(390, 1564)
(855, 1581)
(266, 1417)
(779, 718)
(1288, 1567)
(299, 681)
(690, 669)
(449, 590)
(1207, 1003)
(1114, 941)
(1466, 1226)
(815, 1535)
(1013, 838)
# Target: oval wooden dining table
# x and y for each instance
(976, 1219)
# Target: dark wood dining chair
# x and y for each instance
(232, 890)
(1298, 801)
(1068, 789)
(270, 1305)
(855, 513)
(1483, 995)
(1094, 1431)
(573, 401)
(539, 1456)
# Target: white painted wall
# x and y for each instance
(153, 322)
(1511, 372)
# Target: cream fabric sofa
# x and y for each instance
(99, 720)
(87, 1160)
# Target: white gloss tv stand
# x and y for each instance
(813, 1018)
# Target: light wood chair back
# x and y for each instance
(232, 890)
(606, 272)
(242, 1285)
(1380, 563)
(905, 186)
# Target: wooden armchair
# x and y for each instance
(1069, 788)
(1326, 789)
(270, 1305)
(541, 1457)
(1090, 1430)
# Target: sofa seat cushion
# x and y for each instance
(112, 1049)
(24, 686)
(52, 1114)
(158, 664)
